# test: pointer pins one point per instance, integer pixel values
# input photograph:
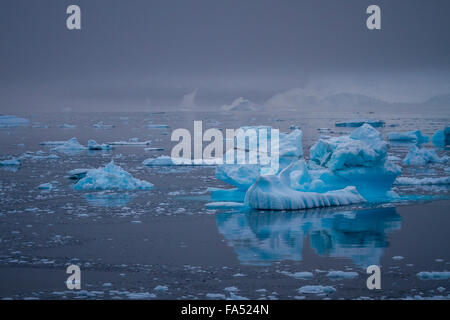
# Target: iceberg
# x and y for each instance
(434, 275)
(316, 289)
(102, 125)
(409, 136)
(442, 137)
(71, 146)
(111, 177)
(290, 145)
(157, 126)
(360, 122)
(240, 104)
(10, 162)
(359, 159)
(422, 181)
(77, 174)
(45, 186)
(421, 157)
(67, 126)
(241, 176)
(159, 161)
(8, 121)
(270, 193)
(93, 145)
(131, 142)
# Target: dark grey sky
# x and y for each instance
(133, 54)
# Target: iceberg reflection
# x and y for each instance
(108, 199)
(259, 238)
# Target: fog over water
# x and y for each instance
(149, 55)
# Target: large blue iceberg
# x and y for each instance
(341, 170)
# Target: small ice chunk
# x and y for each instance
(132, 142)
(161, 288)
(69, 146)
(421, 157)
(342, 274)
(46, 186)
(157, 126)
(111, 177)
(397, 258)
(219, 296)
(434, 275)
(102, 125)
(316, 289)
(77, 174)
(10, 162)
(93, 145)
(67, 126)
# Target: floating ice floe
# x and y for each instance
(71, 146)
(342, 274)
(111, 177)
(93, 145)
(224, 205)
(77, 174)
(67, 126)
(442, 137)
(10, 162)
(169, 161)
(359, 122)
(102, 125)
(154, 149)
(131, 142)
(270, 193)
(421, 157)
(45, 186)
(434, 275)
(409, 136)
(316, 289)
(422, 181)
(157, 126)
(8, 121)
(39, 155)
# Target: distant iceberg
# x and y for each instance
(157, 126)
(102, 125)
(421, 157)
(359, 122)
(240, 104)
(409, 136)
(46, 186)
(111, 177)
(8, 121)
